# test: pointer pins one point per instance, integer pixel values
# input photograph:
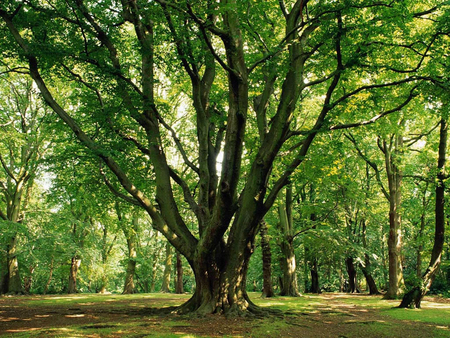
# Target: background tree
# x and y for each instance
(23, 141)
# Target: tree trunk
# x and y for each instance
(366, 267)
(129, 286)
(266, 262)
(314, 271)
(13, 281)
(287, 259)
(351, 271)
(74, 266)
(394, 175)
(50, 276)
(221, 284)
(131, 238)
(165, 286)
(3, 274)
(155, 259)
(414, 297)
(28, 280)
(421, 232)
(179, 287)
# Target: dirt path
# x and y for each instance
(334, 317)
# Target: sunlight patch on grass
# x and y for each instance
(425, 315)
(79, 315)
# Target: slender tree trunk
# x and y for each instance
(106, 251)
(312, 258)
(266, 261)
(414, 297)
(14, 281)
(287, 259)
(366, 267)
(3, 274)
(179, 287)
(74, 266)
(351, 271)
(165, 286)
(129, 286)
(394, 175)
(131, 238)
(155, 259)
(314, 271)
(28, 280)
(420, 234)
(50, 276)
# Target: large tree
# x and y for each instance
(306, 65)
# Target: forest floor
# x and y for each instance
(149, 315)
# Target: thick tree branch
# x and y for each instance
(326, 107)
(115, 191)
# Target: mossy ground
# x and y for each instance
(150, 315)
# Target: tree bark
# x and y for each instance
(366, 267)
(14, 281)
(421, 233)
(131, 238)
(266, 262)
(179, 286)
(3, 274)
(50, 276)
(221, 284)
(287, 259)
(351, 271)
(394, 175)
(165, 286)
(73, 273)
(413, 298)
(314, 271)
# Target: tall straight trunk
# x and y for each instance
(287, 259)
(155, 260)
(131, 238)
(129, 286)
(394, 175)
(351, 271)
(391, 149)
(314, 271)
(179, 287)
(73, 274)
(14, 281)
(366, 267)
(413, 298)
(312, 258)
(28, 280)
(165, 286)
(266, 261)
(3, 274)
(50, 276)
(421, 232)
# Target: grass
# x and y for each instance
(329, 315)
